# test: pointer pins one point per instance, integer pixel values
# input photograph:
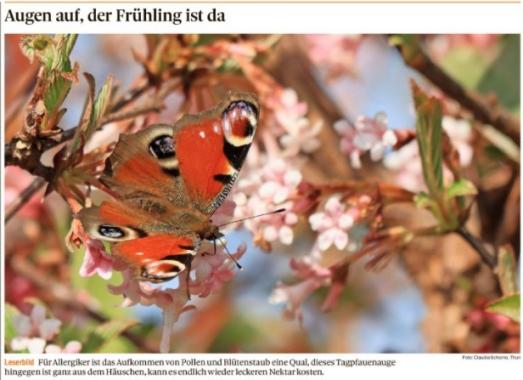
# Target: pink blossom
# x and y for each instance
(333, 224)
(366, 135)
(334, 53)
(270, 188)
(172, 302)
(34, 330)
(72, 347)
(297, 133)
(96, 260)
(212, 270)
(313, 277)
(33, 345)
(36, 324)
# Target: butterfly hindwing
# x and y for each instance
(153, 248)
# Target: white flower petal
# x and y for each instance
(355, 160)
(316, 220)
(333, 205)
(286, 235)
(19, 343)
(53, 349)
(341, 240)
(289, 97)
(290, 218)
(292, 178)
(270, 233)
(310, 145)
(36, 345)
(345, 222)
(268, 189)
(278, 295)
(377, 151)
(325, 240)
(240, 199)
(73, 347)
(281, 195)
(365, 141)
(389, 138)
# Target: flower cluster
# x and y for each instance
(335, 221)
(35, 331)
(366, 135)
(312, 276)
(273, 187)
(298, 133)
(213, 267)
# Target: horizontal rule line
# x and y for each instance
(243, 2)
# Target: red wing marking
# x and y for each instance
(152, 248)
(199, 149)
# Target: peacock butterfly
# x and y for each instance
(167, 181)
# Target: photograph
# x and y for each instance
(261, 193)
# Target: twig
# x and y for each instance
(24, 197)
(480, 108)
(478, 245)
(117, 116)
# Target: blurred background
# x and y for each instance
(429, 299)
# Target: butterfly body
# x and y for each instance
(166, 182)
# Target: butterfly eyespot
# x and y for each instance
(239, 122)
(162, 147)
(109, 231)
(162, 270)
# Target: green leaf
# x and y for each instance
(466, 64)
(10, 313)
(56, 94)
(506, 270)
(508, 306)
(37, 46)
(429, 137)
(503, 75)
(461, 188)
(100, 105)
(104, 333)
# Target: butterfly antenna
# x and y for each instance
(230, 255)
(253, 216)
